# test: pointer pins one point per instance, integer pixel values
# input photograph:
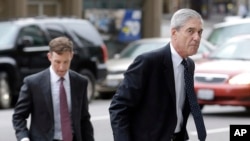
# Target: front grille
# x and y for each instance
(210, 78)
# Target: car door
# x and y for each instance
(32, 47)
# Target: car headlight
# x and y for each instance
(240, 79)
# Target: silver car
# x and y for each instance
(223, 31)
(119, 64)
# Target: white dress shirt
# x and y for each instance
(55, 86)
(179, 86)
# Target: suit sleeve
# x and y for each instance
(127, 97)
(21, 112)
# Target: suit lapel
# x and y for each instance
(46, 87)
(74, 89)
(190, 66)
(169, 72)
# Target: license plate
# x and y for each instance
(205, 94)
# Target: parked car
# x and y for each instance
(118, 65)
(224, 78)
(223, 31)
(24, 48)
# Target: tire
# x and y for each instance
(5, 93)
(91, 84)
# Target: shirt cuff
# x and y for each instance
(25, 139)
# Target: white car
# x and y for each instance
(223, 31)
(119, 64)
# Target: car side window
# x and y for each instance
(32, 36)
(202, 49)
(89, 37)
(55, 30)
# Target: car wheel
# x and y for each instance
(5, 94)
(91, 83)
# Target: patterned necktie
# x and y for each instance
(65, 115)
(194, 106)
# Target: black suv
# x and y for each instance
(24, 47)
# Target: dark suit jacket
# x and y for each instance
(35, 98)
(144, 106)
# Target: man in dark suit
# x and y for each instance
(41, 98)
(150, 104)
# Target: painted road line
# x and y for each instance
(212, 131)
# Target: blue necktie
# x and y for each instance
(194, 106)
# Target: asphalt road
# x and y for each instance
(217, 119)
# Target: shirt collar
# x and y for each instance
(176, 58)
(55, 77)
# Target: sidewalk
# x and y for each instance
(208, 24)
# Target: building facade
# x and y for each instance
(151, 10)
(29, 8)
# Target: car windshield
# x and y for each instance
(138, 48)
(238, 50)
(7, 31)
(220, 35)
(203, 48)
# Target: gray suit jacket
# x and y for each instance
(144, 106)
(35, 99)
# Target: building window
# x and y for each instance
(112, 4)
(47, 8)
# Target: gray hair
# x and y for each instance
(181, 16)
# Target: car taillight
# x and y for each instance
(104, 53)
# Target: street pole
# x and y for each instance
(151, 18)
